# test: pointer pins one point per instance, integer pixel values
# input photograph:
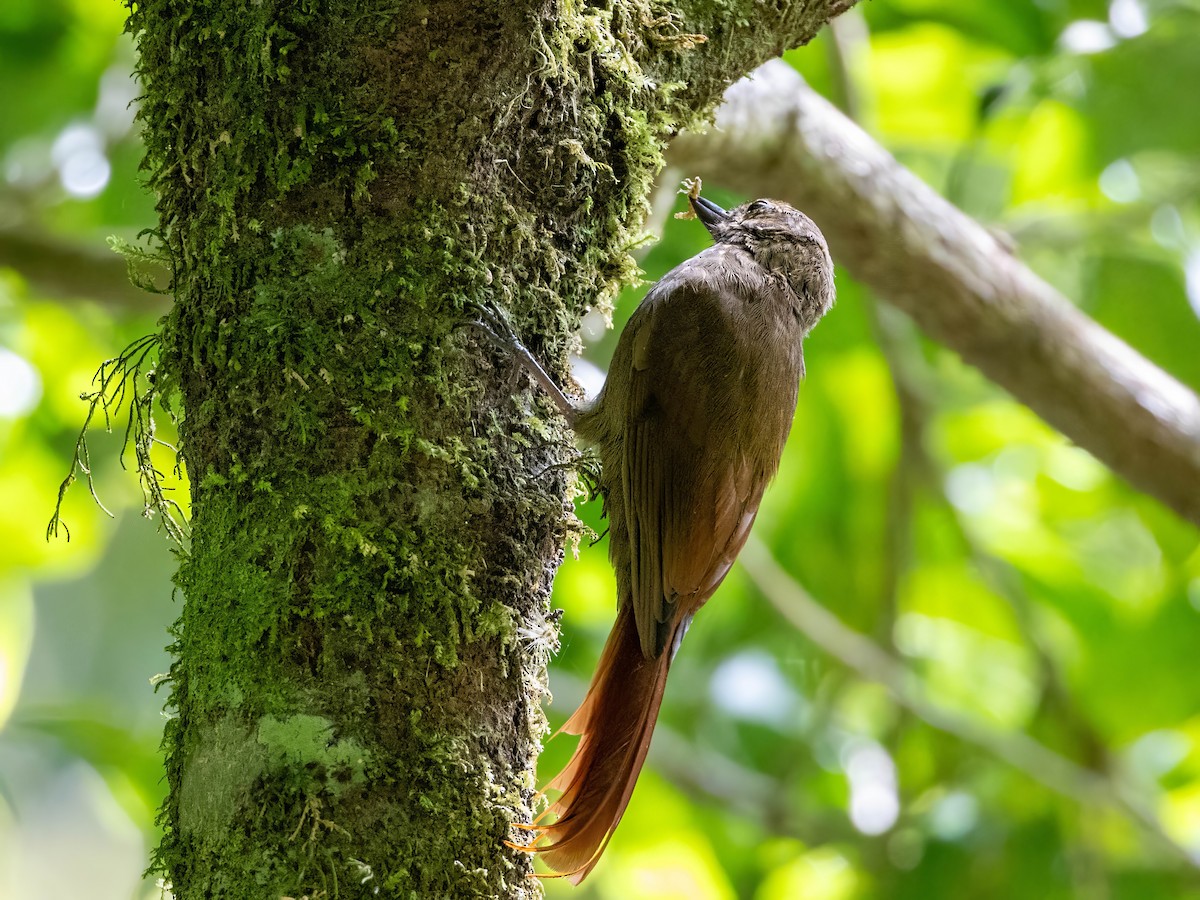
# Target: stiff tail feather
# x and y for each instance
(615, 721)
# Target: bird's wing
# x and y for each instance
(690, 489)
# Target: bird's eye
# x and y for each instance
(758, 206)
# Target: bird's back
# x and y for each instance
(690, 425)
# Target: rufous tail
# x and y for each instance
(615, 721)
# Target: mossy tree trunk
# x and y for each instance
(373, 539)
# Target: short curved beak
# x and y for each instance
(709, 213)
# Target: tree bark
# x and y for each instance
(375, 516)
(776, 136)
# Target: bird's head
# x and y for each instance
(782, 240)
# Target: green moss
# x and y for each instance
(304, 743)
(370, 539)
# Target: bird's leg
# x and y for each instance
(495, 325)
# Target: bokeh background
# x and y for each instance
(1043, 618)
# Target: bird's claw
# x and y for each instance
(494, 323)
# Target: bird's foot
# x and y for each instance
(494, 323)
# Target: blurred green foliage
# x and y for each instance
(1026, 590)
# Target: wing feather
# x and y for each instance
(690, 489)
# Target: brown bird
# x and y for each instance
(690, 426)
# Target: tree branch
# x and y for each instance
(58, 268)
(776, 136)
